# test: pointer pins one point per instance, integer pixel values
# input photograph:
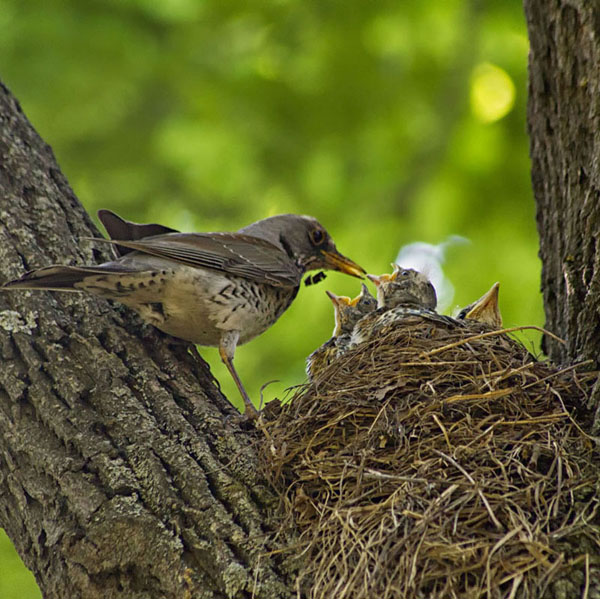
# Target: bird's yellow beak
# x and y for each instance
(380, 279)
(354, 301)
(335, 261)
(486, 308)
(338, 299)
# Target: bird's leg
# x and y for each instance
(227, 346)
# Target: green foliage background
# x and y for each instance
(390, 122)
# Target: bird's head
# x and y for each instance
(341, 306)
(306, 241)
(349, 311)
(404, 286)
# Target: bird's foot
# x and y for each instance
(250, 413)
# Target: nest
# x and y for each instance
(438, 462)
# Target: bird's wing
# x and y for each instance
(120, 229)
(233, 253)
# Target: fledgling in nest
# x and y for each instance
(347, 313)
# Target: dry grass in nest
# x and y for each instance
(438, 462)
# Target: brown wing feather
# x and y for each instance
(233, 253)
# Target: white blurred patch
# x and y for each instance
(428, 259)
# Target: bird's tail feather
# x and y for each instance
(62, 278)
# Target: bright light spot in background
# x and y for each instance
(428, 259)
(492, 92)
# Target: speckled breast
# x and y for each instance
(200, 305)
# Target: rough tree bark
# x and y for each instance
(564, 127)
(123, 470)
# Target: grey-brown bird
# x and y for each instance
(215, 289)
(404, 292)
(347, 313)
(485, 309)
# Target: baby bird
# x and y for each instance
(404, 287)
(485, 310)
(347, 313)
(405, 292)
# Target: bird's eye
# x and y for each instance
(406, 273)
(317, 236)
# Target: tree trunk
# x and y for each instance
(123, 470)
(564, 127)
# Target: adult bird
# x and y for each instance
(215, 289)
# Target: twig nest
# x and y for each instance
(437, 461)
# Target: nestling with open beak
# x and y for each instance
(405, 291)
(485, 309)
(347, 313)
